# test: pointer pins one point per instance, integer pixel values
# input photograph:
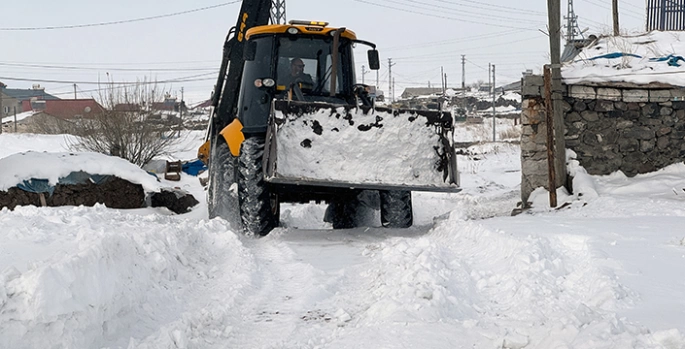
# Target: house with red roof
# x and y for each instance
(66, 109)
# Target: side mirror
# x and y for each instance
(250, 51)
(374, 61)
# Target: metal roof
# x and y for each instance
(27, 94)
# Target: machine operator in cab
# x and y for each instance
(297, 75)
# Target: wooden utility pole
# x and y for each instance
(75, 92)
(614, 10)
(549, 119)
(556, 145)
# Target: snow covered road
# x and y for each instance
(601, 273)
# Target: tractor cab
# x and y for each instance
(302, 61)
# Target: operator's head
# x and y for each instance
(296, 66)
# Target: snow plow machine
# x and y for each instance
(310, 133)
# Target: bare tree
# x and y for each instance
(47, 124)
(128, 127)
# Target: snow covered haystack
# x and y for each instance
(655, 57)
(58, 179)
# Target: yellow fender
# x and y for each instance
(203, 153)
(233, 134)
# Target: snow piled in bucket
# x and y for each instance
(327, 146)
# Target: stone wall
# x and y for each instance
(631, 128)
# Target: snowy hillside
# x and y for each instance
(605, 271)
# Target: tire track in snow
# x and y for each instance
(280, 300)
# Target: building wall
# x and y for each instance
(8, 104)
(610, 128)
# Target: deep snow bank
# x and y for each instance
(92, 277)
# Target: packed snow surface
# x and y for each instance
(604, 271)
(641, 59)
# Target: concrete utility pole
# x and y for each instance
(556, 144)
(463, 81)
(75, 92)
(180, 114)
(614, 10)
(378, 86)
(363, 72)
(463, 72)
(390, 82)
(2, 111)
(15, 119)
(494, 119)
(393, 89)
(442, 78)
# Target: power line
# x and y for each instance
(454, 41)
(456, 11)
(121, 63)
(112, 69)
(627, 12)
(438, 55)
(499, 25)
(183, 79)
(498, 7)
(121, 21)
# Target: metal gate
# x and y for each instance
(666, 15)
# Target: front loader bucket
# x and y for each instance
(330, 145)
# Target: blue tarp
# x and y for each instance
(193, 168)
(671, 59)
(37, 185)
(615, 55)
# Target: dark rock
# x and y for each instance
(604, 106)
(589, 115)
(114, 193)
(642, 132)
(622, 106)
(579, 106)
(573, 117)
(178, 201)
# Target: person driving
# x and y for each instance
(297, 74)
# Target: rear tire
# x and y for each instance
(221, 201)
(259, 207)
(342, 213)
(396, 209)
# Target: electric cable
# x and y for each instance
(120, 21)
(499, 25)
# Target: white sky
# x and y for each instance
(419, 35)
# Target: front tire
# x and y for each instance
(396, 209)
(259, 207)
(221, 201)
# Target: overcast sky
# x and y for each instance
(420, 36)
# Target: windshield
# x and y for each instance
(308, 62)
